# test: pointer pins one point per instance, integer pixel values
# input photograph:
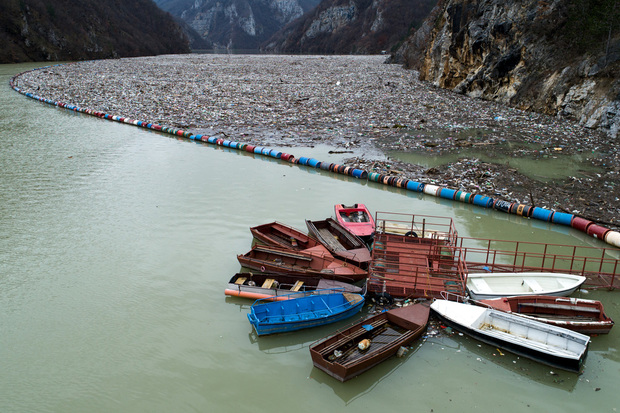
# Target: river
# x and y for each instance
(116, 244)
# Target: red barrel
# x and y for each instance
(581, 224)
(597, 231)
(250, 148)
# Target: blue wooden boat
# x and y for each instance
(303, 310)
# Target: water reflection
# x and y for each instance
(481, 354)
(364, 384)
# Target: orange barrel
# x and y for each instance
(613, 238)
(597, 231)
(581, 224)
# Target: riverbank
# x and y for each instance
(352, 103)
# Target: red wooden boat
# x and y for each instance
(354, 350)
(257, 285)
(356, 218)
(280, 235)
(583, 316)
(340, 242)
(315, 261)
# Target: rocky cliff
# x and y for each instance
(51, 30)
(351, 26)
(237, 24)
(559, 57)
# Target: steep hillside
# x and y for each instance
(557, 57)
(351, 26)
(237, 24)
(51, 30)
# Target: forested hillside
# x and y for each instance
(52, 30)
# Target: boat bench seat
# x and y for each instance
(533, 285)
(297, 285)
(480, 285)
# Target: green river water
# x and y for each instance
(116, 244)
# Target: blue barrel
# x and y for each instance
(562, 218)
(483, 201)
(447, 193)
(258, 149)
(266, 151)
(314, 163)
(303, 160)
(415, 186)
(212, 139)
(275, 154)
(226, 143)
(359, 173)
(542, 214)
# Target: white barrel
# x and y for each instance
(613, 238)
(431, 189)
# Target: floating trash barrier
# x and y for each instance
(542, 214)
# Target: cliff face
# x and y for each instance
(351, 26)
(237, 24)
(52, 30)
(557, 57)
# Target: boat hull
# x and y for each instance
(482, 286)
(356, 218)
(280, 235)
(308, 263)
(387, 332)
(568, 356)
(340, 242)
(583, 316)
(300, 313)
(258, 285)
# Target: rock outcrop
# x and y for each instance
(351, 26)
(237, 24)
(557, 57)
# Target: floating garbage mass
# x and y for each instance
(589, 227)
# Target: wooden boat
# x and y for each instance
(555, 346)
(340, 355)
(276, 285)
(284, 236)
(494, 285)
(312, 310)
(340, 241)
(311, 262)
(577, 314)
(356, 218)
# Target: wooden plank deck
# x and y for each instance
(413, 267)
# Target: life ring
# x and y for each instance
(411, 234)
(262, 268)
